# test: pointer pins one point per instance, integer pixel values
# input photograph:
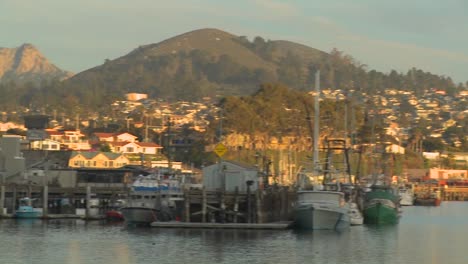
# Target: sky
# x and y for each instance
(77, 35)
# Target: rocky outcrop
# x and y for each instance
(25, 64)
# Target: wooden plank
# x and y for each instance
(271, 226)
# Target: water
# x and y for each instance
(424, 235)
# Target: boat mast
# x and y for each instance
(316, 122)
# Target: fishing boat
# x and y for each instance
(321, 210)
(153, 198)
(326, 206)
(428, 199)
(406, 195)
(27, 210)
(381, 205)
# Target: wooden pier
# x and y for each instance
(270, 205)
(447, 193)
(268, 226)
(261, 206)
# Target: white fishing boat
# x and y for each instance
(321, 210)
(153, 198)
(406, 195)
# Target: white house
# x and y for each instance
(46, 144)
(114, 137)
(135, 147)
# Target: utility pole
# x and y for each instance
(169, 147)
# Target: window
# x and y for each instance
(54, 146)
(130, 149)
(111, 163)
(94, 163)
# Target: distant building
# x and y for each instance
(36, 121)
(93, 159)
(46, 144)
(12, 161)
(136, 96)
(135, 147)
(114, 137)
(228, 175)
(9, 125)
(444, 174)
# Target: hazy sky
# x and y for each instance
(399, 34)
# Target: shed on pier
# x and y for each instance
(227, 175)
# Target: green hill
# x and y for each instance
(205, 62)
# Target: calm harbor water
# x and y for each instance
(424, 235)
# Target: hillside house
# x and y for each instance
(93, 159)
(135, 147)
(114, 137)
(46, 144)
(69, 139)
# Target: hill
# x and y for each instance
(205, 62)
(27, 64)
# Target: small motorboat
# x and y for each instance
(27, 210)
(115, 214)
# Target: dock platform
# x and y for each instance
(59, 216)
(275, 226)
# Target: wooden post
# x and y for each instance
(249, 205)
(88, 201)
(45, 192)
(2, 200)
(258, 206)
(2, 193)
(45, 201)
(14, 198)
(222, 213)
(284, 204)
(29, 190)
(236, 203)
(204, 205)
(187, 206)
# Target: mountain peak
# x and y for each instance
(27, 46)
(26, 63)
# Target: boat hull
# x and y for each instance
(427, 202)
(379, 212)
(114, 215)
(139, 215)
(407, 200)
(313, 218)
(355, 215)
(27, 212)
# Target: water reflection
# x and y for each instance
(424, 235)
